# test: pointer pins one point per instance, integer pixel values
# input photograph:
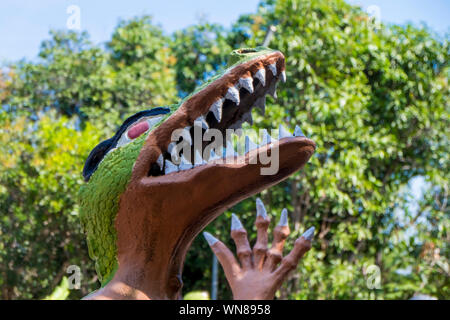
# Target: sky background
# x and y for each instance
(25, 23)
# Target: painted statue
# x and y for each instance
(145, 199)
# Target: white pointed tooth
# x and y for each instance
(247, 83)
(266, 138)
(213, 156)
(298, 132)
(216, 108)
(283, 133)
(160, 161)
(187, 135)
(198, 160)
(236, 125)
(229, 152)
(224, 152)
(261, 103)
(233, 95)
(249, 145)
(273, 68)
(261, 76)
(248, 117)
(201, 122)
(184, 164)
(170, 167)
(283, 76)
(273, 89)
(170, 147)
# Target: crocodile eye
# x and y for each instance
(138, 129)
(133, 127)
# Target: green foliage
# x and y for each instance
(373, 98)
(80, 79)
(196, 295)
(143, 67)
(40, 234)
(61, 292)
(200, 52)
(375, 102)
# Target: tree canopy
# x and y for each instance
(373, 97)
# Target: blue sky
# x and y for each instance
(25, 23)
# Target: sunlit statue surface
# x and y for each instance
(144, 201)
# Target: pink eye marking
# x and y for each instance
(138, 129)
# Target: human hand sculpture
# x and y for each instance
(260, 273)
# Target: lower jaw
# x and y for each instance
(210, 213)
(237, 182)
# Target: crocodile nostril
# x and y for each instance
(239, 54)
(244, 51)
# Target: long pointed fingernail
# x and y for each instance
(210, 238)
(284, 218)
(235, 222)
(309, 234)
(260, 209)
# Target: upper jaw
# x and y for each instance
(224, 103)
(251, 79)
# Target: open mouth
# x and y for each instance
(225, 103)
(133, 165)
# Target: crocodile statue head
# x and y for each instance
(141, 211)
